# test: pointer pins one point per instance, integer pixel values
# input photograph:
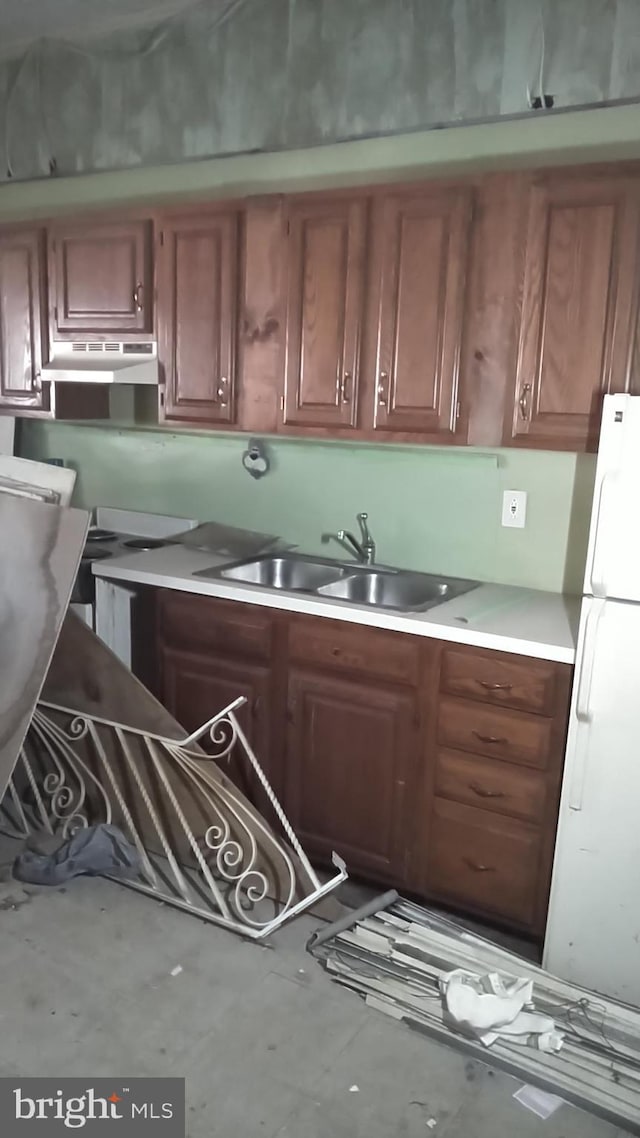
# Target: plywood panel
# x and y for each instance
(40, 552)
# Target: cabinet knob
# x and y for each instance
(494, 687)
(137, 296)
(383, 389)
(489, 738)
(37, 383)
(221, 392)
(523, 401)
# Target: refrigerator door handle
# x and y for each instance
(584, 712)
(598, 573)
(587, 661)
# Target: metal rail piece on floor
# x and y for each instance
(201, 846)
(397, 958)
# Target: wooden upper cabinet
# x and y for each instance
(197, 316)
(262, 316)
(22, 286)
(326, 267)
(101, 280)
(421, 256)
(577, 303)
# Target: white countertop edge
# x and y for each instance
(416, 624)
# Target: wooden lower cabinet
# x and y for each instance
(501, 734)
(479, 859)
(429, 766)
(496, 747)
(351, 750)
(209, 653)
(502, 788)
(195, 687)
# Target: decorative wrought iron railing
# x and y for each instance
(201, 847)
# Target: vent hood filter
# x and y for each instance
(96, 362)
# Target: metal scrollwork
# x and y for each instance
(202, 848)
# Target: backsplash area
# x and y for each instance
(430, 508)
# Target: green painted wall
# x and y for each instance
(430, 508)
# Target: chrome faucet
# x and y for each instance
(364, 550)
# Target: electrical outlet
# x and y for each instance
(514, 508)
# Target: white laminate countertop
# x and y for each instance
(528, 622)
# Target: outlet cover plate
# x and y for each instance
(514, 508)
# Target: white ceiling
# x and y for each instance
(23, 21)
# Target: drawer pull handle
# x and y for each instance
(494, 687)
(489, 738)
(479, 867)
(483, 793)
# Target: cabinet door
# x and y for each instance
(197, 292)
(578, 288)
(101, 279)
(21, 310)
(324, 312)
(194, 688)
(421, 268)
(350, 757)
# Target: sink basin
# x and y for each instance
(272, 572)
(359, 585)
(406, 591)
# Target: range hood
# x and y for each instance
(95, 362)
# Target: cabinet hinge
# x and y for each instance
(282, 402)
(161, 393)
(457, 411)
(162, 236)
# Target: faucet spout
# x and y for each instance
(364, 550)
(351, 543)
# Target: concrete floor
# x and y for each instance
(268, 1045)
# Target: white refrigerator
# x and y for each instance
(593, 926)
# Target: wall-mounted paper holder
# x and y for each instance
(255, 459)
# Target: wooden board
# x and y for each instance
(40, 549)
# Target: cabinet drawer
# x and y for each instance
(527, 686)
(196, 623)
(489, 785)
(483, 860)
(351, 648)
(500, 734)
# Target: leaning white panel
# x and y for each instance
(200, 847)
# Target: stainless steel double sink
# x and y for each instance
(373, 585)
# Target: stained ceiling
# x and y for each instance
(23, 21)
